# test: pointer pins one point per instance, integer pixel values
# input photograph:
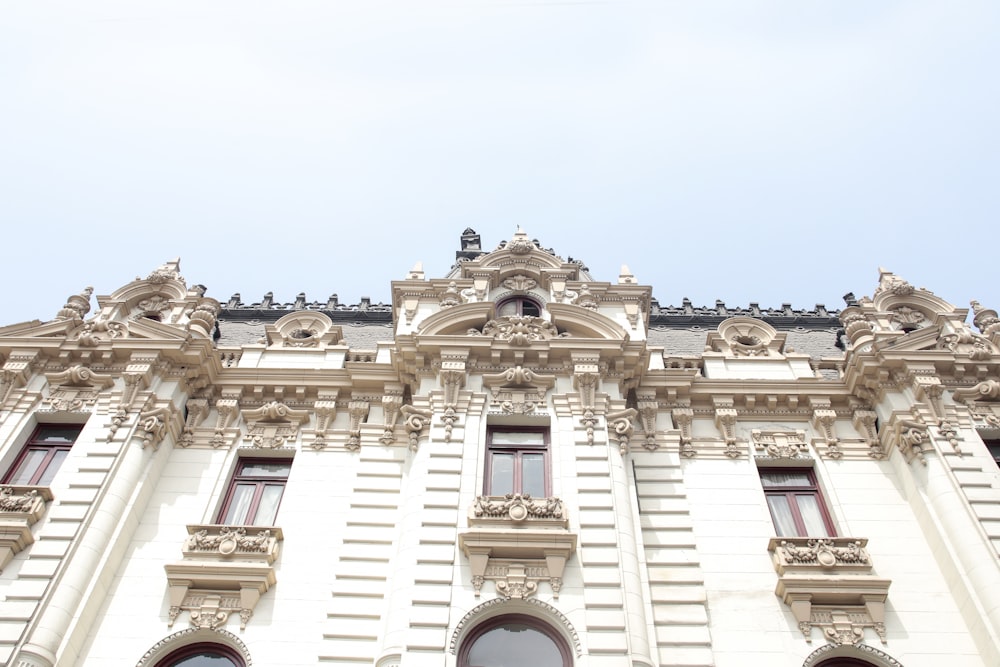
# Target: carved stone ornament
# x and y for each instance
(907, 317)
(77, 306)
(520, 283)
(225, 570)
(965, 343)
(20, 508)
(95, 332)
(358, 411)
(825, 421)
(303, 329)
(325, 409)
(865, 422)
(518, 390)
(153, 426)
(519, 331)
(621, 426)
(683, 417)
(985, 319)
(890, 283)
(489, 608)
(273, 425)
(517, 541)
(830, 584)
(911, 438)
(227, 408)
(414, 420)
(197, 409)
(987, 390)
(76, 389)
(779, 444)
(725, 420)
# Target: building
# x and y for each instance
(513, 464)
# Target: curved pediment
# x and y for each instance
(457, 320)
(580, 322)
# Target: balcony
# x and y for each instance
(225, 570)
(517, 542)
(20, 508)
(829, 583)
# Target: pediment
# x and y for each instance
(457, 320)
(581, 322)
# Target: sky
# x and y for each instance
(742, 151)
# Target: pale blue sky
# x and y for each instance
(744, 151)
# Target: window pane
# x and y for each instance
(533, 474)
(507, 309)
(515, 645)
(518, 438)
(239, 504)
(501, 474)
(812, 516)
(264, 469)
(204, 660)
(57, 434)
(781, 512)
(29, 466)
(267, 510)
(790, 478)
(52, 467)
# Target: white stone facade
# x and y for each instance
(647, 542)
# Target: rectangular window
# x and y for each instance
(994, 447)
(517, 461)
(796, 505)
(42, 454)
(255, 492)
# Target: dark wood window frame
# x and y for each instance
(793, 493)
(517, 451)
(259, 482)
(41, 440)
(993, 446)
(523, 306)
(514, 619)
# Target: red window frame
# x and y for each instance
(49, 439)
(994, 447)
(258, 484)
(793, 495)
(519, 453)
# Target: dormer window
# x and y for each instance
(521, 306)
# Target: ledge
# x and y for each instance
(20, 508)
(517, 541)
(830, 583)
(225, 569)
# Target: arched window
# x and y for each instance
(520, 306)
(203, 655)
(514, 640)
(844, 662)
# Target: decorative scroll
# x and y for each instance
(620, 426)
(414, 420)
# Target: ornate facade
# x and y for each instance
(515, 463)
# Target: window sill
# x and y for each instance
(225, 569)
(20, 508)
(830, 583)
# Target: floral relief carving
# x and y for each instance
(517, 507)
(273, 425)
(392, 401)
(964, 342)
(518, 390)
(825, 421)
(520, 283)
(518, 330)
(648, 408)
(197, 410)
(780, 444)
(94, 332)
(225, 571)
(905, 317)
(20, 508)
(227, 408)
(830, 584)
(153, 426)
(911, 438)
(76, 389)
